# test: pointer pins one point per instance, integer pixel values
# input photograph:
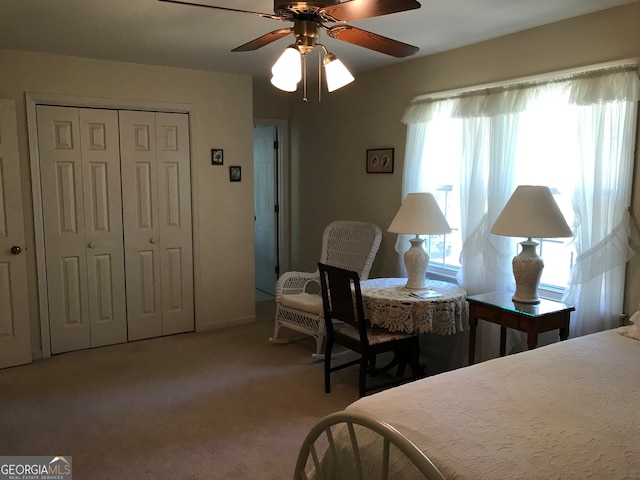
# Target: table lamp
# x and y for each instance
(419, 214)
(531, 212)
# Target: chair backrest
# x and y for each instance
(342, 299)
(351, 245)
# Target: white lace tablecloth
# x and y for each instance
(389, 304)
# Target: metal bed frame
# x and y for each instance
(326, 463)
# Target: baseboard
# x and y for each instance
(228, 323)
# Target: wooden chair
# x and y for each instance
(346, 244)
(347, 326)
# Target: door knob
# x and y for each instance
(16, 250)
(154, 240)
(92, 245)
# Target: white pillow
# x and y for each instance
(632, 331)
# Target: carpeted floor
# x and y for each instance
(226, 404)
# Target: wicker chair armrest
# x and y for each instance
(291, 283)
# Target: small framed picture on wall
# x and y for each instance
(217, 156)
(380, 160)
(235, 173)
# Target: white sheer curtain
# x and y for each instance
(606, 117)
(491, 128)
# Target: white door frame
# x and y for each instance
(284, 215)
(32, 99)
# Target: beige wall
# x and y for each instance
(329, 140)
(222, 117)
(270, 103)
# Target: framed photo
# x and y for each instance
(217, 156)
(235, 173)
(380, 160)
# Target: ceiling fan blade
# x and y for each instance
(372, 41)
(263, 40)
(206, 5)
(360, 9)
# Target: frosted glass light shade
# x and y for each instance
(284, 84)
(287, 71)
(336, 73)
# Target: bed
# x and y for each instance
(569, 410)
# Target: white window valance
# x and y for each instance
(600, 86)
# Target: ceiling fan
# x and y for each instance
(309, 18)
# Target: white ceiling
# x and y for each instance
(153, 32)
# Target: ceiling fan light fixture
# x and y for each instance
(309, 18)
(284, 84)
(336, 73)
(288, 68)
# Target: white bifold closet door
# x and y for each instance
(156, 192)
(116, 191)
(82, 208)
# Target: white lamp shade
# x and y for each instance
(288, 68)
(337, 75)
(419, 214)
(531, 212)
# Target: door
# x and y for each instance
(175, 227)
(15, 336)
(156, 196)
(100, 142)
(265, 206)
(82, 209)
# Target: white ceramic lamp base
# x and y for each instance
(416, 261)
(527, 270)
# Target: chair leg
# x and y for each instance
(327, 366)
(402, 362)
(319, 341)
(414, 359)
(276, 332)
(364, 363)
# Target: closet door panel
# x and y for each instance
(141, 230)
(174, 202)
(64, 227)
(103, 225)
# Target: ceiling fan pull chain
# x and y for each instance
(319, 77)
(304, 77)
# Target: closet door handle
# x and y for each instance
(92, 245)
(16, 250)
(153, 240)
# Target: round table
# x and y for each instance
(443, 310)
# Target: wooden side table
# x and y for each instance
(533, 319)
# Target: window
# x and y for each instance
(575, 133)
(545, 154)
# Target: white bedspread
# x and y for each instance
(569, 410)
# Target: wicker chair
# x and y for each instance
(345, 244)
